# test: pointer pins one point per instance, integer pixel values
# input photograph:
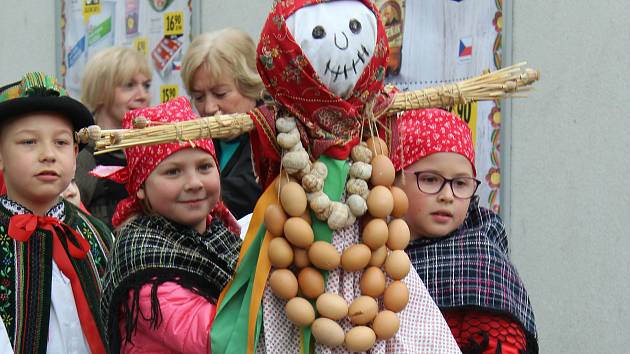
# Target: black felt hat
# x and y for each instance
(38, 92)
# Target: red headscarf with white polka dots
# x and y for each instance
(425, 132)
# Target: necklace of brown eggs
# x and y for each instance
(298, 261)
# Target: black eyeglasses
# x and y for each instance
(432, 183)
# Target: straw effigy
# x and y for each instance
(503, 83)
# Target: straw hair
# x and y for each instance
(489, 86)
(225, 54)
(108, 69)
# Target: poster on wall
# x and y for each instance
(439, 42)
(161, 29)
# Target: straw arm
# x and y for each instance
(147, 133)
(506, 82)
(499, 84)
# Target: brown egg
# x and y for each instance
(360, 339)
(311, 282)
(377, 145)
(298, 232)
(327, 332)
(397, 264)
(383, 172)
(300, 257)
(280, 253)
(274, 219)
(374, 233)
(380, 202)
(300, 311)
(372, 282)
(399, 234)
(323, 255)
(386, 325)
(293, 199)
(378, 257)
(283, 284)
(396, 296)
(401, 202)
(331, 306)
(355, 257)
(362, 310)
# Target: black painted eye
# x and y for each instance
(355, 26)
(319, 32)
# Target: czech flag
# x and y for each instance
(465, 47)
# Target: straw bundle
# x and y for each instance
(488, 86)
(149, 132)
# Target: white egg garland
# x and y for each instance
(310, 257)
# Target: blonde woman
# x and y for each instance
(219, 74)
(116, 80)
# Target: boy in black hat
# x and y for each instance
(52, 255)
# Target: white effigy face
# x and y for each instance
(338, 38)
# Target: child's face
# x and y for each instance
(130, 95)
(435, 215)
(184, 188)
(37, 154)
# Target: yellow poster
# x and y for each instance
(468, 112)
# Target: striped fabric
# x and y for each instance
(152, 249)
(471, 268)
(25, 274)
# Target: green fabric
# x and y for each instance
(228, 148)
(229, 330)
(333, 187)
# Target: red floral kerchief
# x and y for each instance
(425, 132)
(330, 124)
(142, 160)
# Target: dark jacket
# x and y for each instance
(99, 196)
(239, 187)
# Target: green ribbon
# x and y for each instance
(333, 188)
(229, 330)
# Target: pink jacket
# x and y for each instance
(185, 327)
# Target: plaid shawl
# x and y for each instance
(471, 268)
(152, 249)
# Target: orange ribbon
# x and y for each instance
(21, 227)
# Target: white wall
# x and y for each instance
(27, 40)
(569, 164)
(570, 194)
(248, 15)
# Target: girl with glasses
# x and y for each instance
(459, 248)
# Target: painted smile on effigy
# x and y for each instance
(362, 55)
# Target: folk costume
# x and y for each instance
(164, 278)
(468, 272)
(330, 101)
(51, 265)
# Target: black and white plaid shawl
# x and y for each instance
(154, 250)
(471, 268)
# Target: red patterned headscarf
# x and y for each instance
(142, 160)
(330, 124)
(425, 132)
